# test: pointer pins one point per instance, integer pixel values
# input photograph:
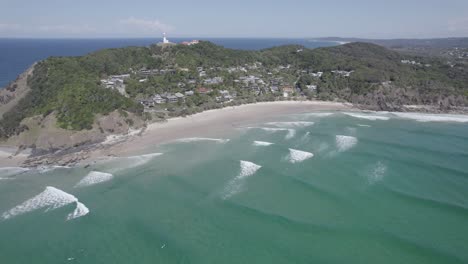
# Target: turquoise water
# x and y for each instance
(391, 190)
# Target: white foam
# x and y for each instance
(133, 161)
(51, 198)
(195, 139)
(296, 156)
(291, 124)
(318, 114)
(344, 143)
(94, 177)
(291, 132)
(368, 117)
(10, 171)
(262, 143)
(361, 125)
(122, 163)
(80, 211)
(377, 173)
(248, 169)
(45, 169)
(433, 117)
(235, 185)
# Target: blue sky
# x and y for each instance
(241, 18)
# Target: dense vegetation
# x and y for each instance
(70, 86)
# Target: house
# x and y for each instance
(287, 91)
(179, 96)
(172, 99)
(190, 43)
(189, 93)
(215, 80)
(317, 74)
(147, 102)
(203, 90)
(343, 73)
(120, 77)
(158, 99)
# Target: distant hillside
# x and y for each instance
(71, 88)
(440, 43)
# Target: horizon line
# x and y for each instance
(208, 37)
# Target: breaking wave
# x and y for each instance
(235, 185)
(291, 132)
(140, 159)
(433, 117)
(361, 125)
(262, 143)
(368, 117)
(318, 114)
(345, 143)
(291, 124)
(45, 169)
(195, 139)
(377, 173)
(94, 177)
(50, 199)
(80, 210)
(296, 156)
(123, 163)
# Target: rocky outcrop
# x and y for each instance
(45, 138)
(390, 98)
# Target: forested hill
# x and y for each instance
(71, 88)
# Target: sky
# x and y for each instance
(233, 18)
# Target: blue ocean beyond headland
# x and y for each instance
(16, 55)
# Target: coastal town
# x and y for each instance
(219, 85)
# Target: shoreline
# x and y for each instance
(210, 123)
(213, 123)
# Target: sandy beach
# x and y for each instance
(212, 123)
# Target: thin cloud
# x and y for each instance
(9, 27)
(459, 25)
(146, 25)
(67, 29)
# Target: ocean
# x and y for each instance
(16, 55)
(308, 188)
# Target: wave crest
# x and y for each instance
(345, 143)
(195, 139)
(50, 199)
(291, 124)
(368, 117)
(433, 117)
(296, 156)
(262, 143)
(94, 177)
(235, 185)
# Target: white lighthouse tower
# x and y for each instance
(165, 40)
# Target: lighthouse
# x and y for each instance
(165, 40)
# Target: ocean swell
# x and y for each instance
(235, 185)
(94, 177)
(50, 199)
(344, 143)
(296, 156)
